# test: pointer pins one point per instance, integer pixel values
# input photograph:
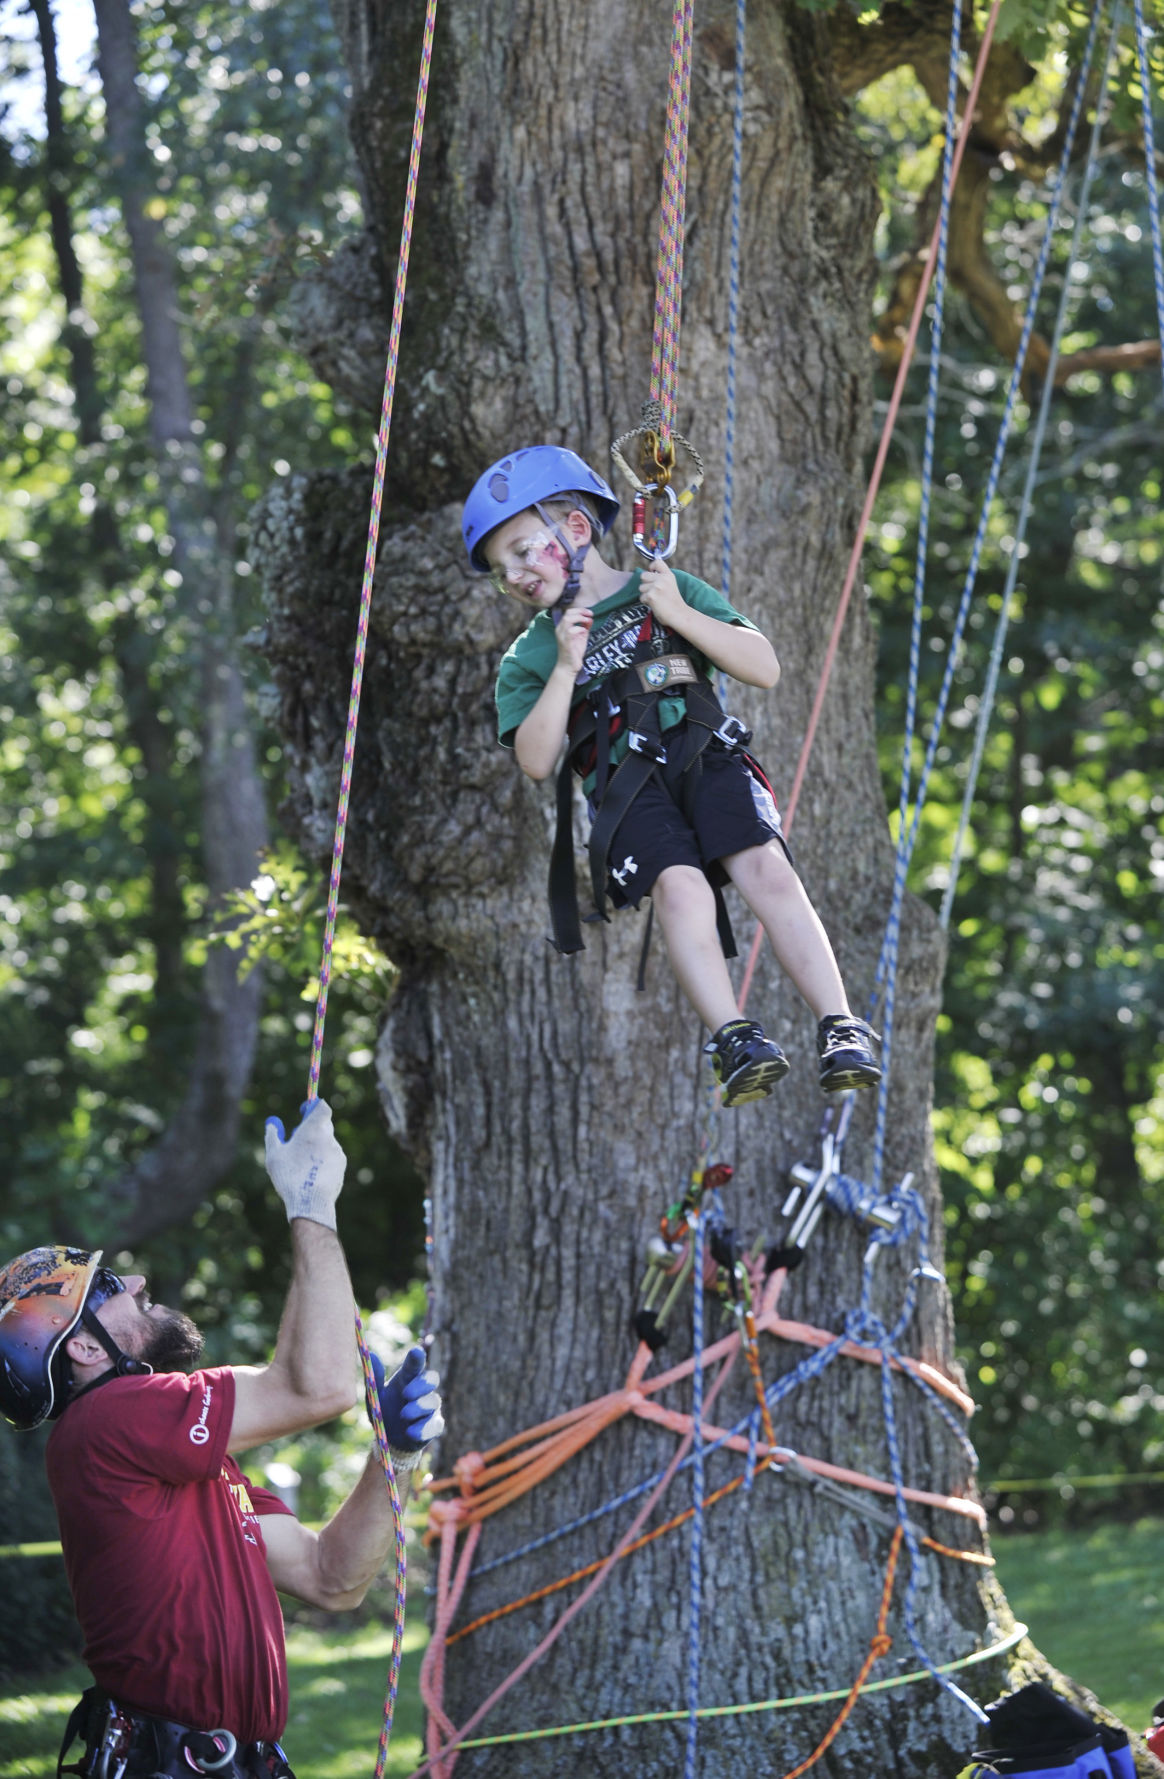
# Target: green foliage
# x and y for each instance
(276, 920)
(104, 921)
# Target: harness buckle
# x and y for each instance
(642, 744)
(733, 734)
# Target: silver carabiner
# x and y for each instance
(639, 521)
(228, 1748)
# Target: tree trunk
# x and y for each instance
(555, 1111)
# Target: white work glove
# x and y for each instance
(307, 1169)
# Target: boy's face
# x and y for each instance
(526, 559)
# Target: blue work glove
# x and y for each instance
(307, 1168)
(410, 1407)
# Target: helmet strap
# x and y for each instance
(575, 559)
(123, 1365)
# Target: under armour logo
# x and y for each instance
(627, 869)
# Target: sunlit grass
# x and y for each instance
(338, 1681)
(1090, 1599)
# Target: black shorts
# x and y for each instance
(731, 809)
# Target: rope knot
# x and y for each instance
(880, 1645)
(467, 1471)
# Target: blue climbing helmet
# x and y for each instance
(518, 482)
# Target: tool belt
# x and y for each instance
(121, 1743)
(628, 703)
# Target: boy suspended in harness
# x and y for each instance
(619, 666)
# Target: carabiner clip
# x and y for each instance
(670, 502)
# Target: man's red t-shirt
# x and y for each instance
(165, 1556)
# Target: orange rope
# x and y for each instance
(879, 1646)
(753, 1358)
(564, 1581)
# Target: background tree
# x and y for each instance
(118, 1016)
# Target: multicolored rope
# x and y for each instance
(341, 822)
(377, 1419)
(695, 1555)
(669, 271)
(729, 435)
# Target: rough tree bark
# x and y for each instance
(553, 1110)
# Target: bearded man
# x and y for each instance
(174, 1557)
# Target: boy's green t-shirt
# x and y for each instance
(529, 661)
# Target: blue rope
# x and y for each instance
(913, 1545)
(990, 688)
(887, 963)
(729, 444)
(695, 1560)
(937, 314)
(1150, 169)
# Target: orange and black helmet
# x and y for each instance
(42, 1296)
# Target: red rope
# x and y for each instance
(789, 813)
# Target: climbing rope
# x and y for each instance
(655, 476)
(990, 687)
(890, 422)
(1150, 171)
(341, 830)
(729, 444)
(887, 429)
(489, 1482)
(669, 269)
(798, 1702)
(885, 976)
(695, 1560)
(880, 1645)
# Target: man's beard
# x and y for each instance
(173, 1343)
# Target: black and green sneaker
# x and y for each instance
(846, 1058)
(747, 1064)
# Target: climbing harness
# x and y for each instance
(626, 705)
(120, 1742)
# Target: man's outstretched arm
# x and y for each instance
(311, 1376)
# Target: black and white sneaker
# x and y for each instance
(846, 1058)
(747, 1064)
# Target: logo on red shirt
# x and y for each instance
(200, 1432)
